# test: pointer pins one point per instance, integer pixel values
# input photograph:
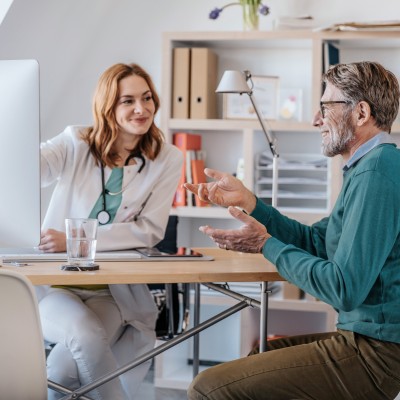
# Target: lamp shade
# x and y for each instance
(233, 82)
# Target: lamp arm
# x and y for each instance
(271, 140)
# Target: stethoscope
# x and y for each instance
(104, 216)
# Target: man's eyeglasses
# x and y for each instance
(322, 104)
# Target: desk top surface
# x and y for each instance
(227, 266)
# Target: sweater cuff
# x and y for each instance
(262, 212)
(272, 249)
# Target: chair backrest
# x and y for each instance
(22, 353)
(167, 296)
(169, 243)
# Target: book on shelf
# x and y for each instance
(190, 155)
(299, 22)
(192, 168)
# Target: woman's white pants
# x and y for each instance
(91, 340)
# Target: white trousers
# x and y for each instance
(91, 341)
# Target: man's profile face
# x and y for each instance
(336, 126)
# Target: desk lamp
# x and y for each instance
(236, 82)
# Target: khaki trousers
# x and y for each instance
(329, 366)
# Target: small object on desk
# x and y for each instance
(181, 252)
(16, 263)
(92, 267)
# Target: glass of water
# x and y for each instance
(81, 241)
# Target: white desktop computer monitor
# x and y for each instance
(19, 154)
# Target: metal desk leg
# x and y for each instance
(196, 322)
(170, 306)
(263, 317)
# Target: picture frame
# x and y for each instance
(266, 94)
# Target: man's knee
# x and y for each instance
(208, 384)
(192, 392)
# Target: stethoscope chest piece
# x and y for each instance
(103, 217)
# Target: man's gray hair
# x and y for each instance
(369, 82)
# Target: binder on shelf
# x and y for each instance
(181, 82)
(203, 82)
(185, 142)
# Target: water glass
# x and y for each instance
(81, 241)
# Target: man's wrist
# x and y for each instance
(250, 202)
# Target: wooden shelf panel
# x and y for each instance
(238, 125)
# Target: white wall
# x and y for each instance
(75, 40)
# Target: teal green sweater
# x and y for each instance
(350, 259)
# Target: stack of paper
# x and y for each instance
(365, 26)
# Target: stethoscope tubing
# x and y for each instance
(104, 216)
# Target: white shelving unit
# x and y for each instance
(303, 181)
(264, 53)
(296, 57)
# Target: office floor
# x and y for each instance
(147, 390)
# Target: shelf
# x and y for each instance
(282, 194)
(275, 302)
(306, 215)
(292, 167)
(201, 212)
(238, 125)
(293, 181)
(234, 39)
(363, 39)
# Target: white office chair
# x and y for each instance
(22, 354)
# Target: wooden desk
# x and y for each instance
(227, 266)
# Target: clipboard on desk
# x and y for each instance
(182, 254)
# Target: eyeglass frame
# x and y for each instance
(322, 103)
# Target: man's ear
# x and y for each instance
(363, 113)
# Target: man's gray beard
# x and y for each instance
(339, 144)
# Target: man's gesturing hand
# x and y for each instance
(249, 238)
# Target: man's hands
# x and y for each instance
(225, 191)
(249, 238)
(52, 241)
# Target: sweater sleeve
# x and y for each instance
(290, 231)
(367, 235)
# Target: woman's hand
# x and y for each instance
(52, 241)
(249, 238)
(225, 191)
